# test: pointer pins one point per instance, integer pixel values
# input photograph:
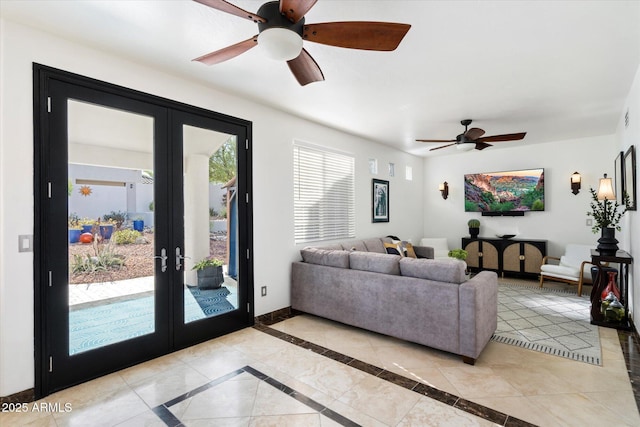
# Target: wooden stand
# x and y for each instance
(624, 260)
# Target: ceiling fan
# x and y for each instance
(472, 138)
(282, 29)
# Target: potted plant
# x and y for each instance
(606, 218)
(87, 225)
(75, 230)
(209, 272)
(474, 227)
(138, 223)
(460, 254)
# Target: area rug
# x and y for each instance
(551, 321)
(212, 302)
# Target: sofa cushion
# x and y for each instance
(333, 247)
(354, 245)
(374, 245)
(441, 270)
(375, 262)
(331, 258)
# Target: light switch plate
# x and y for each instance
(25, 243)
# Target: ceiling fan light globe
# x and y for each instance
(466, 146)
(280, 43)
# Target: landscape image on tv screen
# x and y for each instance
(510, 191)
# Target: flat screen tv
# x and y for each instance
(504, 192)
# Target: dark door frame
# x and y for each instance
(43, 76)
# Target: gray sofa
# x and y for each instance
(425, 301)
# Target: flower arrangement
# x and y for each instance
(605, 212)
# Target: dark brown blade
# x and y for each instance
(474, 133)
(444, 146)
(294, 10)
(234, 10)
(500, 138)
(436, 140)
(305, 69)
(228, 52)
(383, 36)
(482, 145)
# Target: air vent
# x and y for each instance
(626, 119)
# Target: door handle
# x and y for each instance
(179, 259)
(163, 259)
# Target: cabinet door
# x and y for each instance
(532, 258)
(473, 254)
(511, 258)
(489, 256)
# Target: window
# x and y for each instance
(324, 194)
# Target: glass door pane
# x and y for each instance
(111, 247)
(210, 270)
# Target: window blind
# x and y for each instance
(324, 194)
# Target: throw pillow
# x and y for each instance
(393, 249)
(408, 249)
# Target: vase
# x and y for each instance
(474, 231)
(611, 287)
(607, 243)
(138, 225)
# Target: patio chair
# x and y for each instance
(574, 267)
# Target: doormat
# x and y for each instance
(551, 321)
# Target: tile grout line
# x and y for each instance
(397, 379)
(165, 415)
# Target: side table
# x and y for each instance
(625, 260)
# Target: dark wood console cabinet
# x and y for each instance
(510, 256)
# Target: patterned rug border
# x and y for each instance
(544, 348)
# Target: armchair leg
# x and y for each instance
(580, 288)
(541, 280)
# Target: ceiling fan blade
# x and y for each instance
(501, 138)
(228, 52)
(305, 69)
(474, 133)
(444, 146)
(234, 10)
(482, 145)
(294, 10)
(436, 140)
(384, 36)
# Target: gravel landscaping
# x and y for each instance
(138, 259)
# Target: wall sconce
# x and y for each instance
(575, 183)
(605, 189)
(444, 190)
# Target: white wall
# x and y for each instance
(564, 218)
(630, 235)
(273, 132)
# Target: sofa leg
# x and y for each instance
(469, 360)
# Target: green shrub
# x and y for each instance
(125, 237)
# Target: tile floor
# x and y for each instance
(307, 371)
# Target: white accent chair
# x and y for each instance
(439, 245)
(574, 267)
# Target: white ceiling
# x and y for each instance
(555, 69)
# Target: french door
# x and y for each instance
(133, 193)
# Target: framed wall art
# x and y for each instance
(630, 178)
(379, 200)
(618, 175)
